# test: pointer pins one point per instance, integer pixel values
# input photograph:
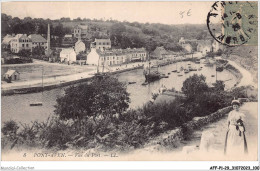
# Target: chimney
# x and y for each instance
(48, 41)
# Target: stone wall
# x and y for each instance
(172, 138)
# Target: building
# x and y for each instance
(135, 54)
(159, 53)
(6, 43)
(68, 55)
(216, 46)
(38, 41)
(79, 47)
(11, 75)
(20, 42)
(115, 56)
(187, 47)
(182, 40)
(204, 47)
(80, 31)
(102, 44)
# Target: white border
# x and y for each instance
(130, 165)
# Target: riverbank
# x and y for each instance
(34, 86)
(59, 82)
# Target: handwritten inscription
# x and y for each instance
(185, 13)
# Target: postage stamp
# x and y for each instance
(233, 23)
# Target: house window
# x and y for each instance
(22, 45)
(104, 43)
(27, 45)
(117, 58)
(107, 58)
(99, 43)
(107, 43)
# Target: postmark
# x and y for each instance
(233, 23)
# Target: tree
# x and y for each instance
(219, 86)
(194, 86)
(38, 50)
(100, 98)
(24, 53)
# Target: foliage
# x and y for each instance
(10, 127)
(90, 121)
(100, 98)
(38, 51)
(194, 86)
(24, 53)
(81, 56)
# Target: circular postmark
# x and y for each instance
(232, 23)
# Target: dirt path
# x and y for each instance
(219, 129)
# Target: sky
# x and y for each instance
(152, 12)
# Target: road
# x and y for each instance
(219, 129)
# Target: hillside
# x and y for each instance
(122, 34)
(246, 56)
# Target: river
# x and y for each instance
(17, 107)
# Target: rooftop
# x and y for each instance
(37, 38)
(10, 72)
(102, 40)
(67, 51)
(117, 52)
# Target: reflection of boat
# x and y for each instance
(169, 73)
(145, 83)
(132, 82)
(212, 75)
(153, 76)
(179, 75)
(36, 104)
(174, 70)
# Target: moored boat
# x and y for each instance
(36, 104)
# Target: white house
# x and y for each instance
(20, 42)
(102, 44)
(68, 55)
(7, 41)
(93, 57)
(38, 40)
(11, 75)
(187, 47)
(204, 47)
(79, 47)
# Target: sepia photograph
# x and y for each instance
(129, 81)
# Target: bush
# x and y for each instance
(99, 98)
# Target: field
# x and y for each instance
(36, 71)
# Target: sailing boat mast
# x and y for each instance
(149, 63)
(42, 79)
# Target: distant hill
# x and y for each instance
(122, 34)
